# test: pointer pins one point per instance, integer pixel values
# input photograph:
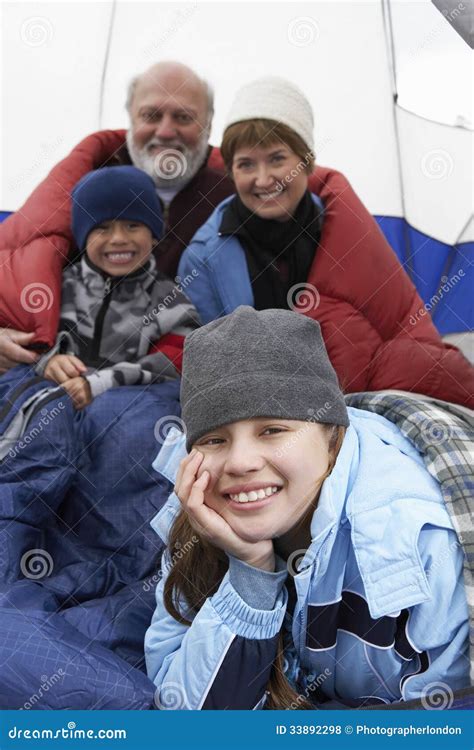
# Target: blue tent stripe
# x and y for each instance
(449, 301)
(443, 275)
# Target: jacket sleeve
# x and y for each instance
(437, 630)
(154, 368)
(62, 345)
(196, 277)
(222, 660)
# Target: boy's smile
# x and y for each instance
(119, 247)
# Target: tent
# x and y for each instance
(390, 81)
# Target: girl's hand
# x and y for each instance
(63, 367)
(79, 390)
(210, 524)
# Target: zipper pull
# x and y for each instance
(107, 285)
(166, 213)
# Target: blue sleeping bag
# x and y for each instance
(78, 558)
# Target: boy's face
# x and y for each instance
(119, 247)
(278, 458)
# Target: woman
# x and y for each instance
(310, 555)
(278, 244)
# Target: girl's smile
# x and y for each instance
(263, 474)
(254, 498)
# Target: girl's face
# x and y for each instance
(264, 473)
(270, 180)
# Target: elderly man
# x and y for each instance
(170, 111)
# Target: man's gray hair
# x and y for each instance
(206, 85)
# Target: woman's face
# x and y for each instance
(264, 473)
(270, 180)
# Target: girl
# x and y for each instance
(310, 556)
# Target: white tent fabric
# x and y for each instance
(66, 67)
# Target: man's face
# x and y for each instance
(169, 129)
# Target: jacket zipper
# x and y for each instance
(99, 321)
(166, 215)
(302, 632)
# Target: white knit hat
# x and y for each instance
(274, 98)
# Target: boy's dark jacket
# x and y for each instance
(111, 323)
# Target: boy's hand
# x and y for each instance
(79, 390)
(212, 526)
(63, 367)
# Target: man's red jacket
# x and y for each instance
(36, 241)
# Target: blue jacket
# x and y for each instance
(216, 269)
(381, 612)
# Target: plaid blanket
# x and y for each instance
(444, 436)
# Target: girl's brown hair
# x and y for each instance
(197, 574)
(264, 133)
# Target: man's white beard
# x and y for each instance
(172, 168)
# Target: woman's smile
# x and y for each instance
(270, 180)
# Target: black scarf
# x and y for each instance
(279, 253)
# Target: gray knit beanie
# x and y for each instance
(268, 363)
(274, 98)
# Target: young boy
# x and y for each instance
(115, 305)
